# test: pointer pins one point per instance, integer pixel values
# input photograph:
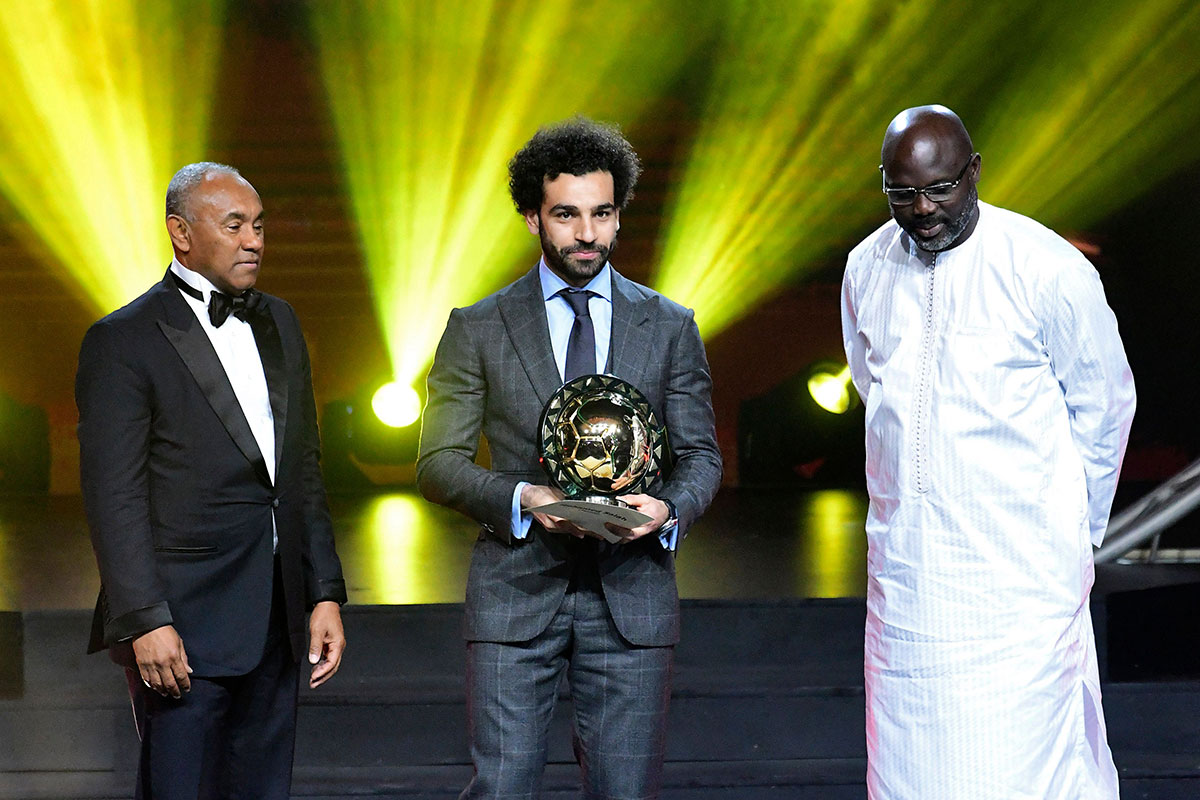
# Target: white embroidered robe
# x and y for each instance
(998, 405)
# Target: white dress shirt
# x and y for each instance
(238, 353)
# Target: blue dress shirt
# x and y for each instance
(561, 318)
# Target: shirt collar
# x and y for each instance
(195, 280)
(552, 284)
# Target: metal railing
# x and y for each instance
(1144, 520)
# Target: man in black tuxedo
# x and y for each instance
(199, 459)
(545, 597)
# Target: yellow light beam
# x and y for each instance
(834, 552)
(402, 563)
(431, 100)
(1100, 115)
(100, 102)
(781, 175)
(782, 166)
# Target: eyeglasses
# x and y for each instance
(936, 192)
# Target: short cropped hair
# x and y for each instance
(575, 147)
(187, 179)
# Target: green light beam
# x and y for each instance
(1107, 109)
(431, 100)
(781, 175)
(835, 548)
(782, 165)
(100, 102)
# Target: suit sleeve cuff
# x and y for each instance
(135, 623)
(520, 520)
(327, 590)
(668, 534)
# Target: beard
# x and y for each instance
(953, 227)
(572, 270)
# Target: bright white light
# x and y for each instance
(396, 405)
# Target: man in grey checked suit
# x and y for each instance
(545, 597)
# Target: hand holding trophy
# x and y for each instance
(600, 438)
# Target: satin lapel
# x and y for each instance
(524, 314)
(630, 333)
(270, 350)
(183, 331)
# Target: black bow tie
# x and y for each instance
(222, 305)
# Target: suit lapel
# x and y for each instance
(183, 331)
(630, 334)
(270, 350)
(524, 314)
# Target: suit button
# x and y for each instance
(274, 502)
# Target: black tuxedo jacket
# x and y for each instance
(178, 497)
(494, 371)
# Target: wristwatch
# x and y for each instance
(672, 517)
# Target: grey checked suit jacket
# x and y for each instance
(494, 371)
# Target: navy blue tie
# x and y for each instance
(581, 347)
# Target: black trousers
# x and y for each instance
(228, 738)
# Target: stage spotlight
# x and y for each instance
(396, 405)
(371, 438)
(795, 436)
(831, 390)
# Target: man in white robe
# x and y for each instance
(998, 404)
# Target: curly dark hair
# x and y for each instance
(576, 147)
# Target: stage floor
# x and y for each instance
(398, 549)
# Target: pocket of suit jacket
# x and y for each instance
(196, 550)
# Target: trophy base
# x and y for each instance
(594, 512)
